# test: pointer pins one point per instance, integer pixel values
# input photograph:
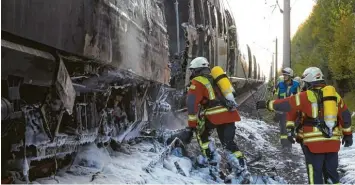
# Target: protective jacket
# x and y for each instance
(202, 92)
(284, 90)
(306, 103)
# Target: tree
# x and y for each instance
(327, 40)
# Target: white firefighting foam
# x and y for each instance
(98, 165)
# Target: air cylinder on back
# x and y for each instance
(223, 83)
(330, 107)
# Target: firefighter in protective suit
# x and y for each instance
(285, 88)
(296, 132)
(206, 111)
(320, 138)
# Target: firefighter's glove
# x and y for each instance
(291, 135)
(262, 104)
(348, 140)
(299, 140)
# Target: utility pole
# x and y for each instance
(271, 75)
(276, 76)
(286, 36)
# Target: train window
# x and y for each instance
(197, 8)
(229, 18)
(220, 23)
(213, 16)
(206, 15)
(224, 26)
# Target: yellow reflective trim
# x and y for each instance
(238, 154)
(205, 145)
(300, 135)
(288, 89)
(201, 145)
(283, 136)
(315, 139)
(215, 111)
(208, 85)
(310, 175)
(311, 96)
(192, 87)
(210, 92)
(346, 129)
(339, 100)
(290, 124)
(318, 133)
(315, 129)
(314, 110)
(192, 117)
(298, 101)
(271, 105)
(283, 95)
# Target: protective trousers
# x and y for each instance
(281, 117)
(325, 173)
(226, 133)
(321, 164)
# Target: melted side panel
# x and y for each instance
(130, 35)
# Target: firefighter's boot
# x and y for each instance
(210, 158)
(239, 172)
(214, 160)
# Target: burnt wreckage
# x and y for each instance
(91, 71)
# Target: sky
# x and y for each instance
(258, 26)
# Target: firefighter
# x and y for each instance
(298, 79)
(279, 80)
(207, 110)
(297, 133)
(285, 88)
(320, 138)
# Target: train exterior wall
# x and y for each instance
(129, 35)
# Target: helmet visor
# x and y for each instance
(284, 72)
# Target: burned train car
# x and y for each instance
(91, 71)
(205, 28)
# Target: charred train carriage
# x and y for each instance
(91, 71)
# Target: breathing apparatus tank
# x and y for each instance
(223, 83)
(330, 108)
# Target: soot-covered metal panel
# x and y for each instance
(34, 66)
(129, 34)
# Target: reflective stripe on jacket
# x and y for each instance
(305, 102)
(201, 93)
(284, 90)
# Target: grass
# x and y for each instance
(349, 101)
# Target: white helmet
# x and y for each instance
(198, 63)
(298, 79)
(287, 71)
(312, 74)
